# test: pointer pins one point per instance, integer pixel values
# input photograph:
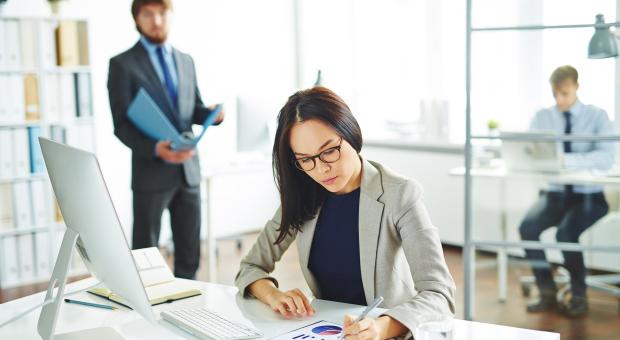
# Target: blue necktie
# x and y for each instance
(568, 127)
(170, 88)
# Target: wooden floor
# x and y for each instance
(602, 322)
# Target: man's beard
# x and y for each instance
(154, 40)
(158, 40)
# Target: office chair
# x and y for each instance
(605, 283)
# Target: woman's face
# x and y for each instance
(313, 137)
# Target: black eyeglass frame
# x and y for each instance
(320, 156)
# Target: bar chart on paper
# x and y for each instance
(321, 330)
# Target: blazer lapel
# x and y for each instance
(154, 87)
(370, 216)
(304, 243)
(183, 87)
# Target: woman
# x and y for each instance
(361, 230)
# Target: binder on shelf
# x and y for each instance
(10, 266)
(57, 213)
(16, 100)
(6, 208)
(36, 157)
(7, 169)
(22, 211)
(51, 98)
(25, 249)
(43, 255)
(40, 204)
(67, 95)
(31, 96)
(67, 48)
(3, 46)
(83, 95)
(28, 42)
(48, 44)
(82, 39)
(21, 154)
(58, 133)
(12, 36)
(4, 97)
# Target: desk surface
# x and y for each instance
(223, 299)
(578, 177)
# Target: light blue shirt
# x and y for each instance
(151, 49)
(584, 155)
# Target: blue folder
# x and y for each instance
(148, 118)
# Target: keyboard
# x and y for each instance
(206, 324)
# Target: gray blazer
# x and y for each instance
(400, 251)
(128, 72)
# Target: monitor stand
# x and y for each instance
(49, 313)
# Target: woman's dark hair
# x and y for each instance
(300, 195)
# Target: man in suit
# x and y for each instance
(161, 177)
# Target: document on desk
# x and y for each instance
(148, 118)
(317, 331)
(159, 283)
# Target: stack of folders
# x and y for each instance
(62, 44)
(67, 95)
(72, 43)
(10, 46)
(20, 153)
(159, 283)
(25, 258)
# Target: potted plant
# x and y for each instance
(493, 126)
(55, 5)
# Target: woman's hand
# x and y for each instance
(383, 327)
(367, 329)
(289, 304)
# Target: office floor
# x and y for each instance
(602, 322)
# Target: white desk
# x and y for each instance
(227, 302)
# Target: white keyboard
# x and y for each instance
(206, 324)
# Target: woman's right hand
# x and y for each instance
(289, 304)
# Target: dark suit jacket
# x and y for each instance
(131, 70)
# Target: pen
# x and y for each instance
(90, 304)
(368, 309)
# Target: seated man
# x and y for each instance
(571, 208)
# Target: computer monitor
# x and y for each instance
(256, 124)
(93, 227)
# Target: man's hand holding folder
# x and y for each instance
(172, 146)
(163, 150)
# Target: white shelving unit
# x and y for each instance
(59, 106)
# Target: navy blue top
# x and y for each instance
(335, 252)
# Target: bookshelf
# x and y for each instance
(45, 90)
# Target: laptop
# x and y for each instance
(530, 154)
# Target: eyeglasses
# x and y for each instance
(330, 155)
